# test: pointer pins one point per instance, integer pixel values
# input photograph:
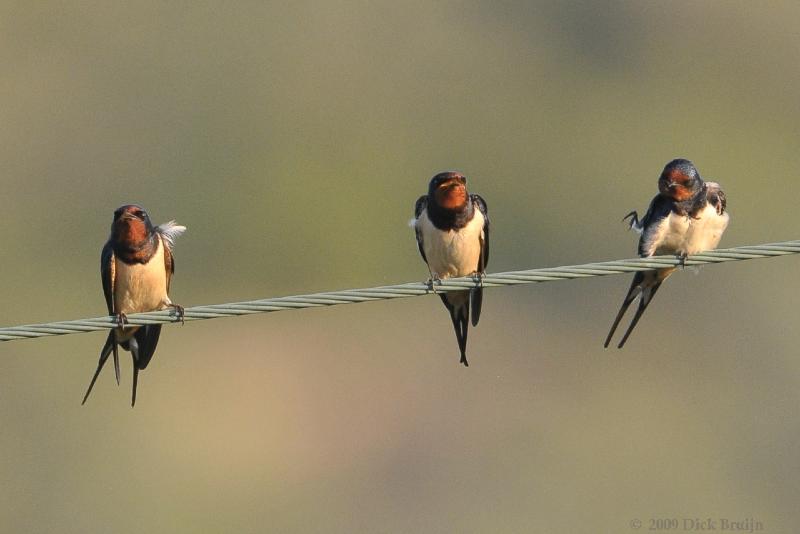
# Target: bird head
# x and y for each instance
(680, 180)
(131, 225)
(449, 190)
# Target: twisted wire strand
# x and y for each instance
(412, 289)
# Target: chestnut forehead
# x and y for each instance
(129, 208)
(448, 177)
(677, 175)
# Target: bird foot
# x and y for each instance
(634, 219)
(682, 260)
(434, 279)
(122, 319)
(179, 313)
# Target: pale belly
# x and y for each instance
(452, 253)
(141, 287)
(684, 235)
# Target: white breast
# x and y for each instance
(141, 287)
(452, 253)
(680, 234)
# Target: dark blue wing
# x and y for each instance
(478, 201)
(422, 203)
(107, 275)
(659, 209)
(476, 295)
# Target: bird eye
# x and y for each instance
(139, 213)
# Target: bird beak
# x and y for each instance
(449, 184)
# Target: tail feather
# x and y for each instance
(135, 385)
(647, 295)
(147, 341)
(135, 354)
(110, 346)
(116, 358)
(457, 303)
(646, 284)
(476, 298)
(633, 292)
(142, 346)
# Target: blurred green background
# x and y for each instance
(292, 140)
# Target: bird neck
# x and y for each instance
(139, 251)
(449, 219)
(692, 206)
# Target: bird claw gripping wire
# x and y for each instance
(477, 277)
(434, 279)
(180, 313)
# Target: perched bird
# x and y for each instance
(136, 267)
(686, 217)
(452, 230)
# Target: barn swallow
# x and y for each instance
(136, 266)
(452, 230)
(686, 217)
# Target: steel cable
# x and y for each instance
(412, 289)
